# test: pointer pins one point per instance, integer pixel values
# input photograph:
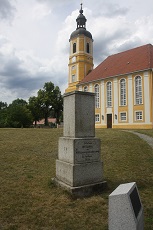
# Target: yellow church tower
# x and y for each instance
(81, 53)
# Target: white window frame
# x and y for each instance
(85, 89)
(97, 117)
(97, 95)
(123, 120)
(73, 78)
(123, 92)
(109, 93)
(73, 67)
(139, 115)
(138, 90)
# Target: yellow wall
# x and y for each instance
(140, 124)
(81, 43)
(83, 61)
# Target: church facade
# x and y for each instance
(122, 83)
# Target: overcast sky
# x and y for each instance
(34, 38)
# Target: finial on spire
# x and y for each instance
(81, 10)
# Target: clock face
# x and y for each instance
(74, 59)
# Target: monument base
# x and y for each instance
(82, 191)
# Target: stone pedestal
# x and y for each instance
(78, 167)
(125, 208)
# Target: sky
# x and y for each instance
(34, 38)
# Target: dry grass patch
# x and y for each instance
(30, 201)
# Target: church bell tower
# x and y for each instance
(81, 53)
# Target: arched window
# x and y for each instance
(138, 90)
(74, 47)
(88, 48)
(73, 78)
(97, 96)
(109, 94)
(86, 89)
(122, 92)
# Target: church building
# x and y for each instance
(122, 83)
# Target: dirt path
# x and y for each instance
(147, 138)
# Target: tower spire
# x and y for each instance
(81, 19)
(81, 52)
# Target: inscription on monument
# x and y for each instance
(87, 151)
(135, 201)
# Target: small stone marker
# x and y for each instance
(78, 167)
(125, 208)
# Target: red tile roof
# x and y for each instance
(126, 62)
(42, 122)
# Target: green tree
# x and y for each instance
(18, 115)
(3, 114)
(19, 101)
(50, 100)
(57, 104)
(3, 105)
(35, 108)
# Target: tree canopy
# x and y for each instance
(50, 100)
(18, 115)
(34, 107)
(47, 103)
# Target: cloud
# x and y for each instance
(145, 28)
(7, 10)
(40, 11)
(55, 3)
(22, 74)
(106, 9)
(114, 32)
(68, 26)
(113, 10)
(107, 33)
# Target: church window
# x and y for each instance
(86, 89)
(88, 48)
(73, 78)
(138, 90)
(138, 115)
(97, 117)
(97, 96)
(74, 47)
(123, 116)
(122, 92)
(109, 94)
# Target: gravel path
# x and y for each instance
(147, 138)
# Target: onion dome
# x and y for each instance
(81, 26)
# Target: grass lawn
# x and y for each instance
(28, 199)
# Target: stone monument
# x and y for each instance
(125, 208)
(78, 167)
